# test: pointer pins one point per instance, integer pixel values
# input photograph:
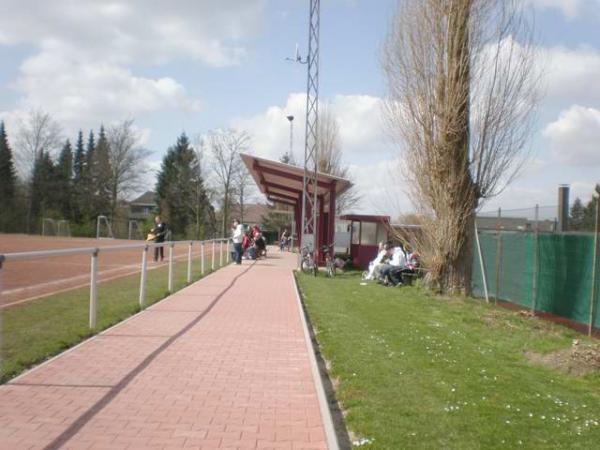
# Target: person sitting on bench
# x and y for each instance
(392, 273)
(382, 256)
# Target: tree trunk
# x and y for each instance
(460, 270)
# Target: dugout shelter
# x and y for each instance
(282, 183)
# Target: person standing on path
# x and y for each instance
(237, 236)
(159, 231)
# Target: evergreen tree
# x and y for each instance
(88, 180)
(43, 189)
(78, 198)
(577, 215)
(8, 183)
(589, 216)
(79, 159)
(102, 175)
(64, 172)
(180, 191)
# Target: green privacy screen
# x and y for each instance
(563, 275)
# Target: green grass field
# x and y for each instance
(412, 370)
(35, 331)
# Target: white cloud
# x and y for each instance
(149, 31)
(96, 91)
(81, 69)
(575, 136)
(358, 116)
(571, 75)
(570, 8)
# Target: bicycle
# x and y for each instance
(308, 264)
(329, 260)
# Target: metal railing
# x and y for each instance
(94, 253)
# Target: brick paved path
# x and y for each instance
(221, 364)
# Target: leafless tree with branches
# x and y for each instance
(225, 148)
(127, 161)
(37, 132)
(463, 87)
(330, 156)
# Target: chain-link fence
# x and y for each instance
(526, 262)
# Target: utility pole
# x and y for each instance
(310, 179)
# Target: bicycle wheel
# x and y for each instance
(331, 269)
(306, 267)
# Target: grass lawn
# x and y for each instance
(35, 331)
(412, 370)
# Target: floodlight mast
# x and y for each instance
(310, 179)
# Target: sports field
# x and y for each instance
(22, 281)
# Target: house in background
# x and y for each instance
(143, 207)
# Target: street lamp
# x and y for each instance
(291, 155)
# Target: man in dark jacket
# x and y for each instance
(159, 231)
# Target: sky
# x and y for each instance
(196, 65)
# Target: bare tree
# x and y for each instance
(225, 147)
(330, 157)
(243, 190)
(35, 133)
(127, 161)
(463, 87)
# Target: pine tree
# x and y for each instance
(8, 183)
(102, 175)
(79, 159)
(64, 174)
(577, 215)
(589, 216)
(88, 180)
(43, 188)
(180, 191)
(78, 184)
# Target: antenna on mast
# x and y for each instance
(297, 57)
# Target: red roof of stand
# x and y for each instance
(282, 183)
(365, 218)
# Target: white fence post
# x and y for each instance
(170, 286)
(189, 267)
(228, 250)
(221, 254)
(213, 254)
(202, 258)
(93, 289)
(143, 277)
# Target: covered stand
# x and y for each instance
(282, 183)
(366, 232)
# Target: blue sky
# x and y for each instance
(198, 65)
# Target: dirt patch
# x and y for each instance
(578, 360)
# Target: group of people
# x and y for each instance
(249, 244)
(391, 264)
(284, 241)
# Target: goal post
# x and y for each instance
(134, 230)
(49, 227)
(63, 228)
(103, 228)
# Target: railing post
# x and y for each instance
(202, 258)
(536, 250)
(594, 270)
(170, 285)
(213, 254)
(221, 254)
(227, 252)
(143, 277)
(189, 266)
(93, 289)
(498, 255)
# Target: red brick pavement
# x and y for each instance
(221, 364)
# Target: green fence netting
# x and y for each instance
(558, 280)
